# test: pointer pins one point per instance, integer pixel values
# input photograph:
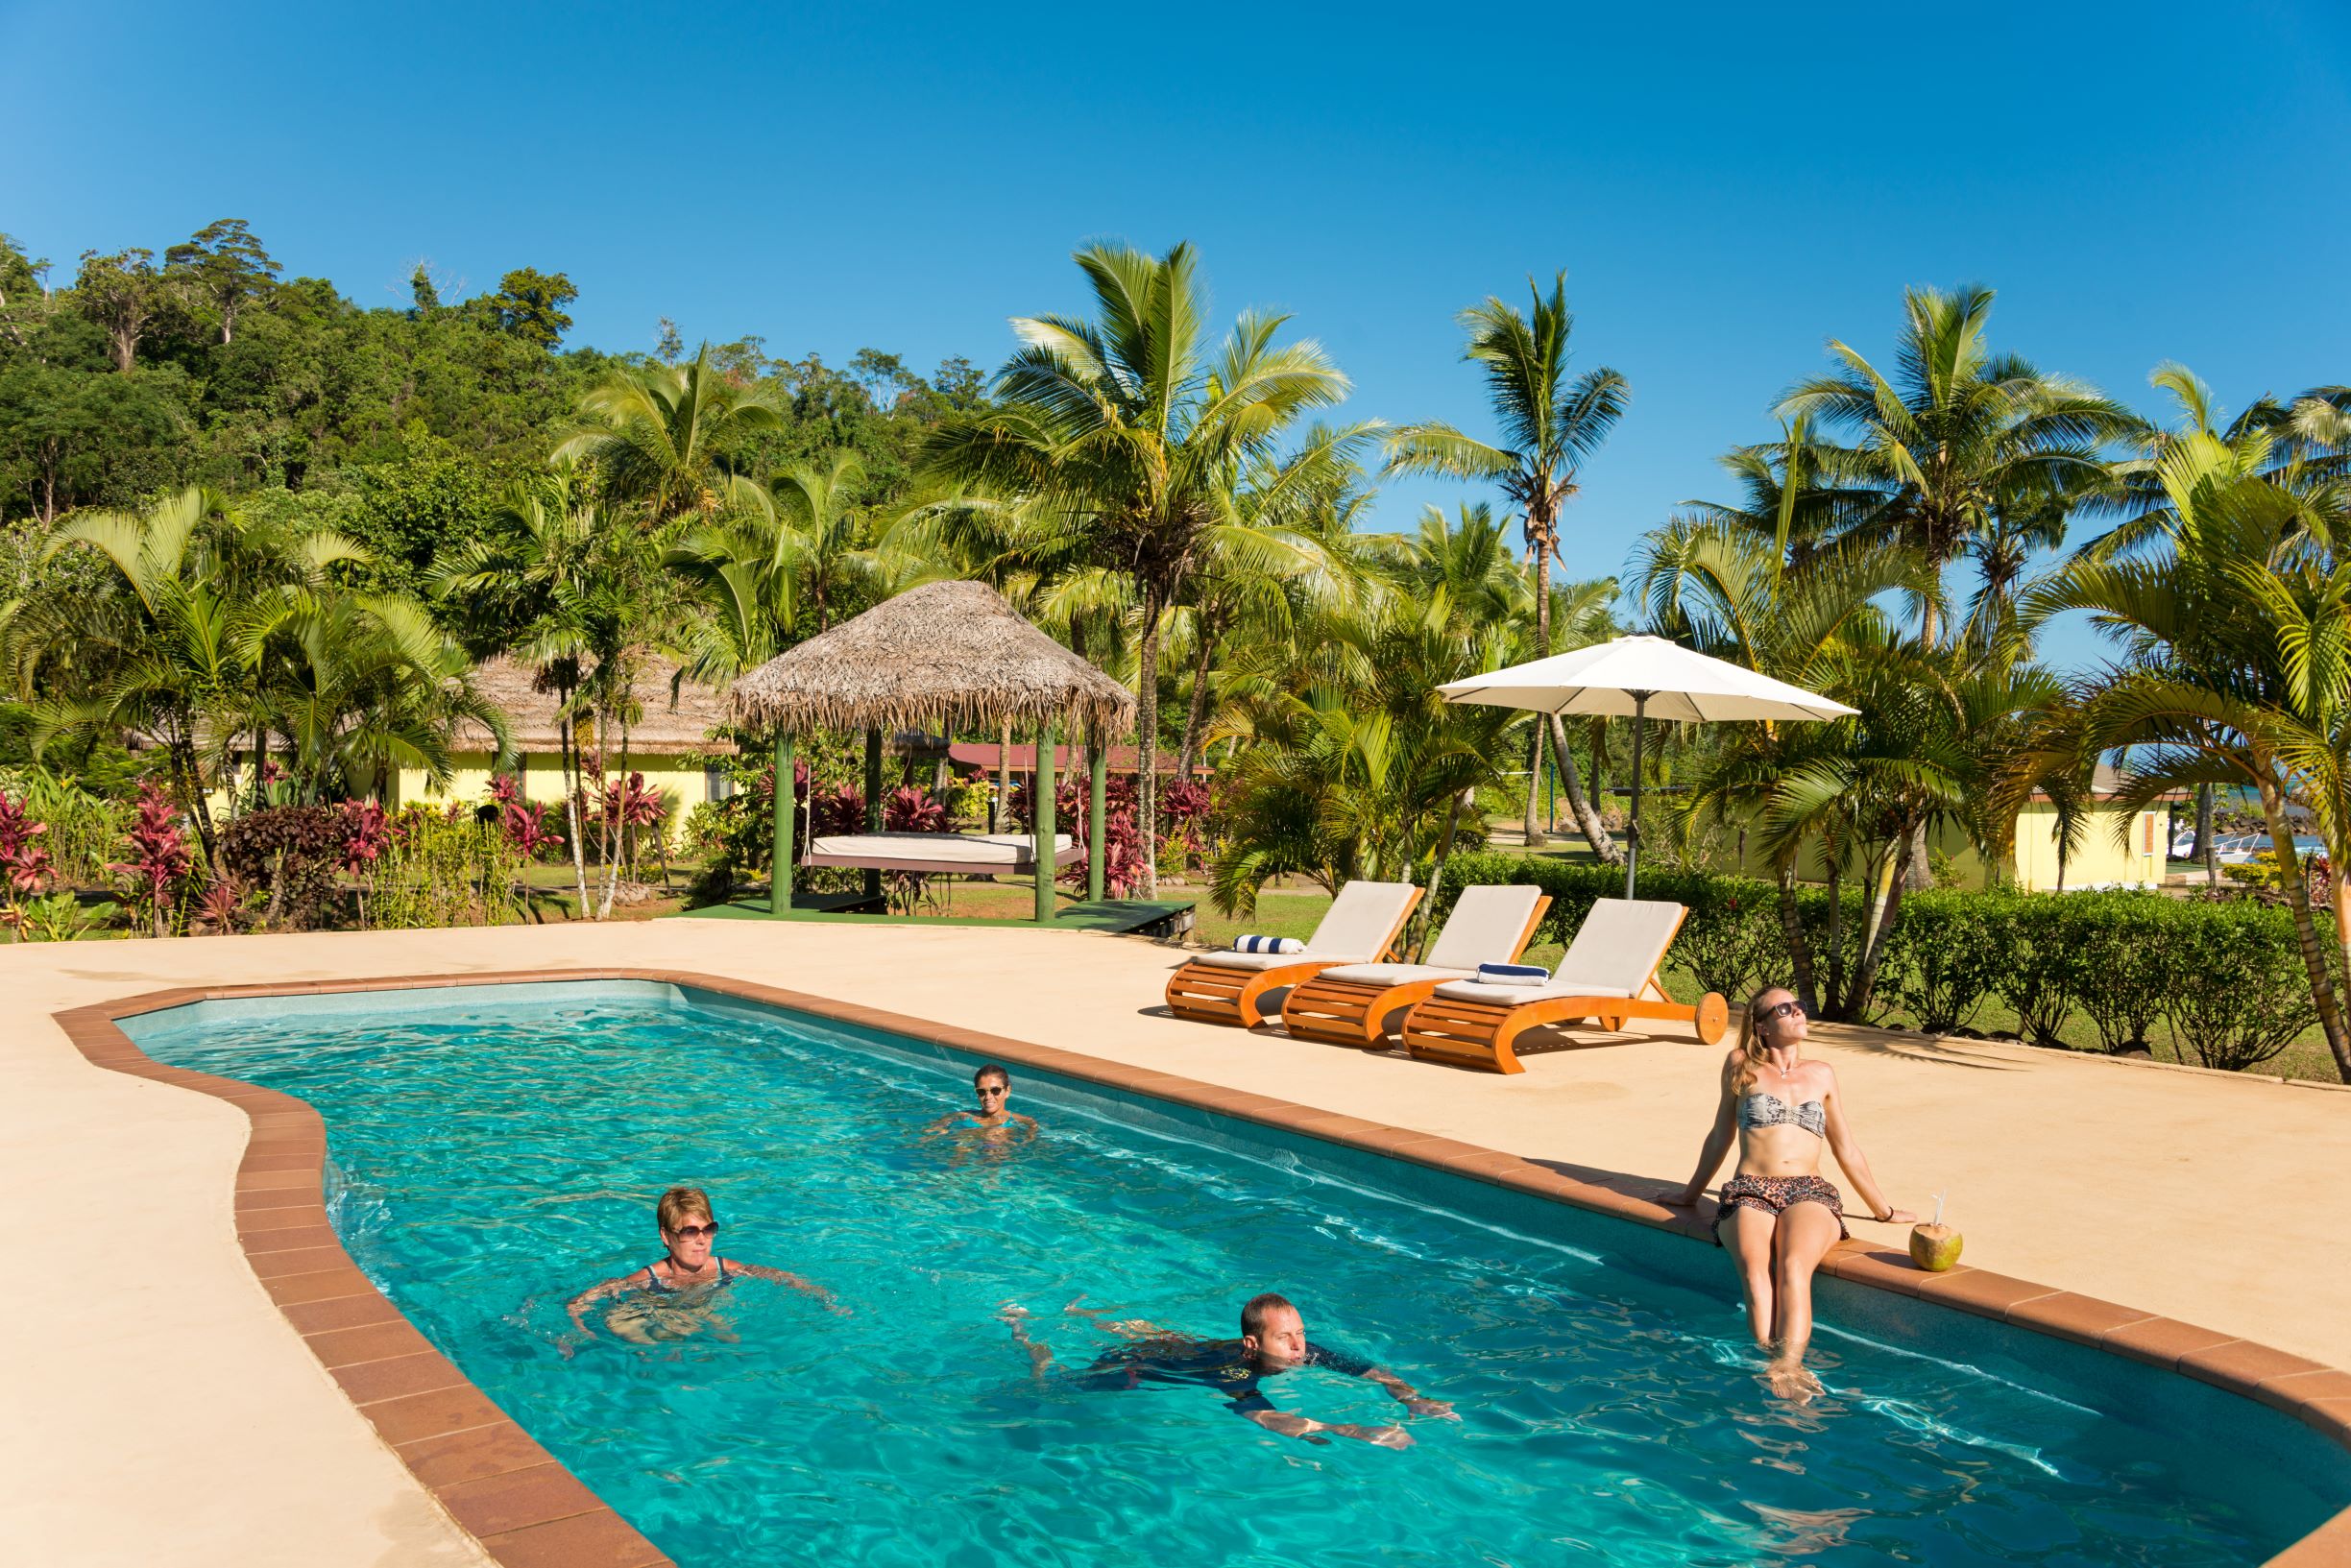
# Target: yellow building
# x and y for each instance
(2097, 859)
(670, 744)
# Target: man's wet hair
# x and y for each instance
(991, 1070)
(1258, 1309)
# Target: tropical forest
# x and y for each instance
(289, 580)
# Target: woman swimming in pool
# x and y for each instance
(676, 1289)
(995, 1120)
(1780, 1215)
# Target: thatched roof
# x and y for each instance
(944, 656)
(657, 730)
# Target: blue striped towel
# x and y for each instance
(1268, 943)
(1513, 974)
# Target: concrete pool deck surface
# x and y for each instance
(167, 1411)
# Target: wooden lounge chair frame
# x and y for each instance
(1485, 1035)
(1343, 1012)
(1209, 993)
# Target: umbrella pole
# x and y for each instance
(1640, 713)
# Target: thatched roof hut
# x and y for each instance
(658, 730)
(946, 656)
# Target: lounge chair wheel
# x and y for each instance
(1713, 1018)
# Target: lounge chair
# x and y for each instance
(1359, 927)
(1608, 973)
(1350, 1005)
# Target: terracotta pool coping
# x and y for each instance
(528, 1510)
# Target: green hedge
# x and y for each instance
(2224, 979)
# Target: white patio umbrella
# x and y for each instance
(1642, 678)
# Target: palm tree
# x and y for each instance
(1282, 551)
(540, 584)
(1350, 763)
(1551, 426)
(181, 648)
(1114, 437)
(1721, 585)
(668, 436)
(2235, 627)
(1965, 450)
(783, 565)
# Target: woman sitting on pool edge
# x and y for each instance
(1779, 1216)
(995, 1116)
(692, 1270)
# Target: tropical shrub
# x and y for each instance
(1950, 956)
(2225, 976)
(2126, 947)
(437, 871)
(2237, 993)
(2042, 973)
(292, 853)
(60, 917)
(1730, 941)
(160, 862)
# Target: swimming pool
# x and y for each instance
(495, 1151)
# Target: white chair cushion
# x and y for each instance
(1620, 944)
(1486, 926)
(1226, 958)
(1360, 921)
(1387, 974)
(1512, 995)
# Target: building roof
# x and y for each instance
(658, 728)
(945, 656)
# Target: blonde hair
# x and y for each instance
(1753, 1052)
(680, 1204)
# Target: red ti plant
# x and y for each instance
(24, 864)
(160, 857)
(906, 810)
(367, 834)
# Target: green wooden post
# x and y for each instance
(1098, 765)
(779, 895)
(873, 805)
(1041, 841)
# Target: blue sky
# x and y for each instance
(1728, 187)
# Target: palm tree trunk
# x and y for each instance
(1578, 804)
(2306, 924)
(1881, 932)
(2206, 850)
(1791, 931)
(566, 742)
(1189, 755)
(1533, 828)
(1436, 865)
(1147, 740)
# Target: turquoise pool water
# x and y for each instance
(494, 1152)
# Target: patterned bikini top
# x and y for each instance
(1763, 1109)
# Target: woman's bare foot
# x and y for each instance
(1791, 1381)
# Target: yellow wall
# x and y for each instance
(680, 780)
(2097, 860)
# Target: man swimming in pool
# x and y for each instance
(995, 1120)
(675, 1291)
(1272, 1342)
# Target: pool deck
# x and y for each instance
(160, 1408)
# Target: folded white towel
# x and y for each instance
(1513, 974)
(1268, 943)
